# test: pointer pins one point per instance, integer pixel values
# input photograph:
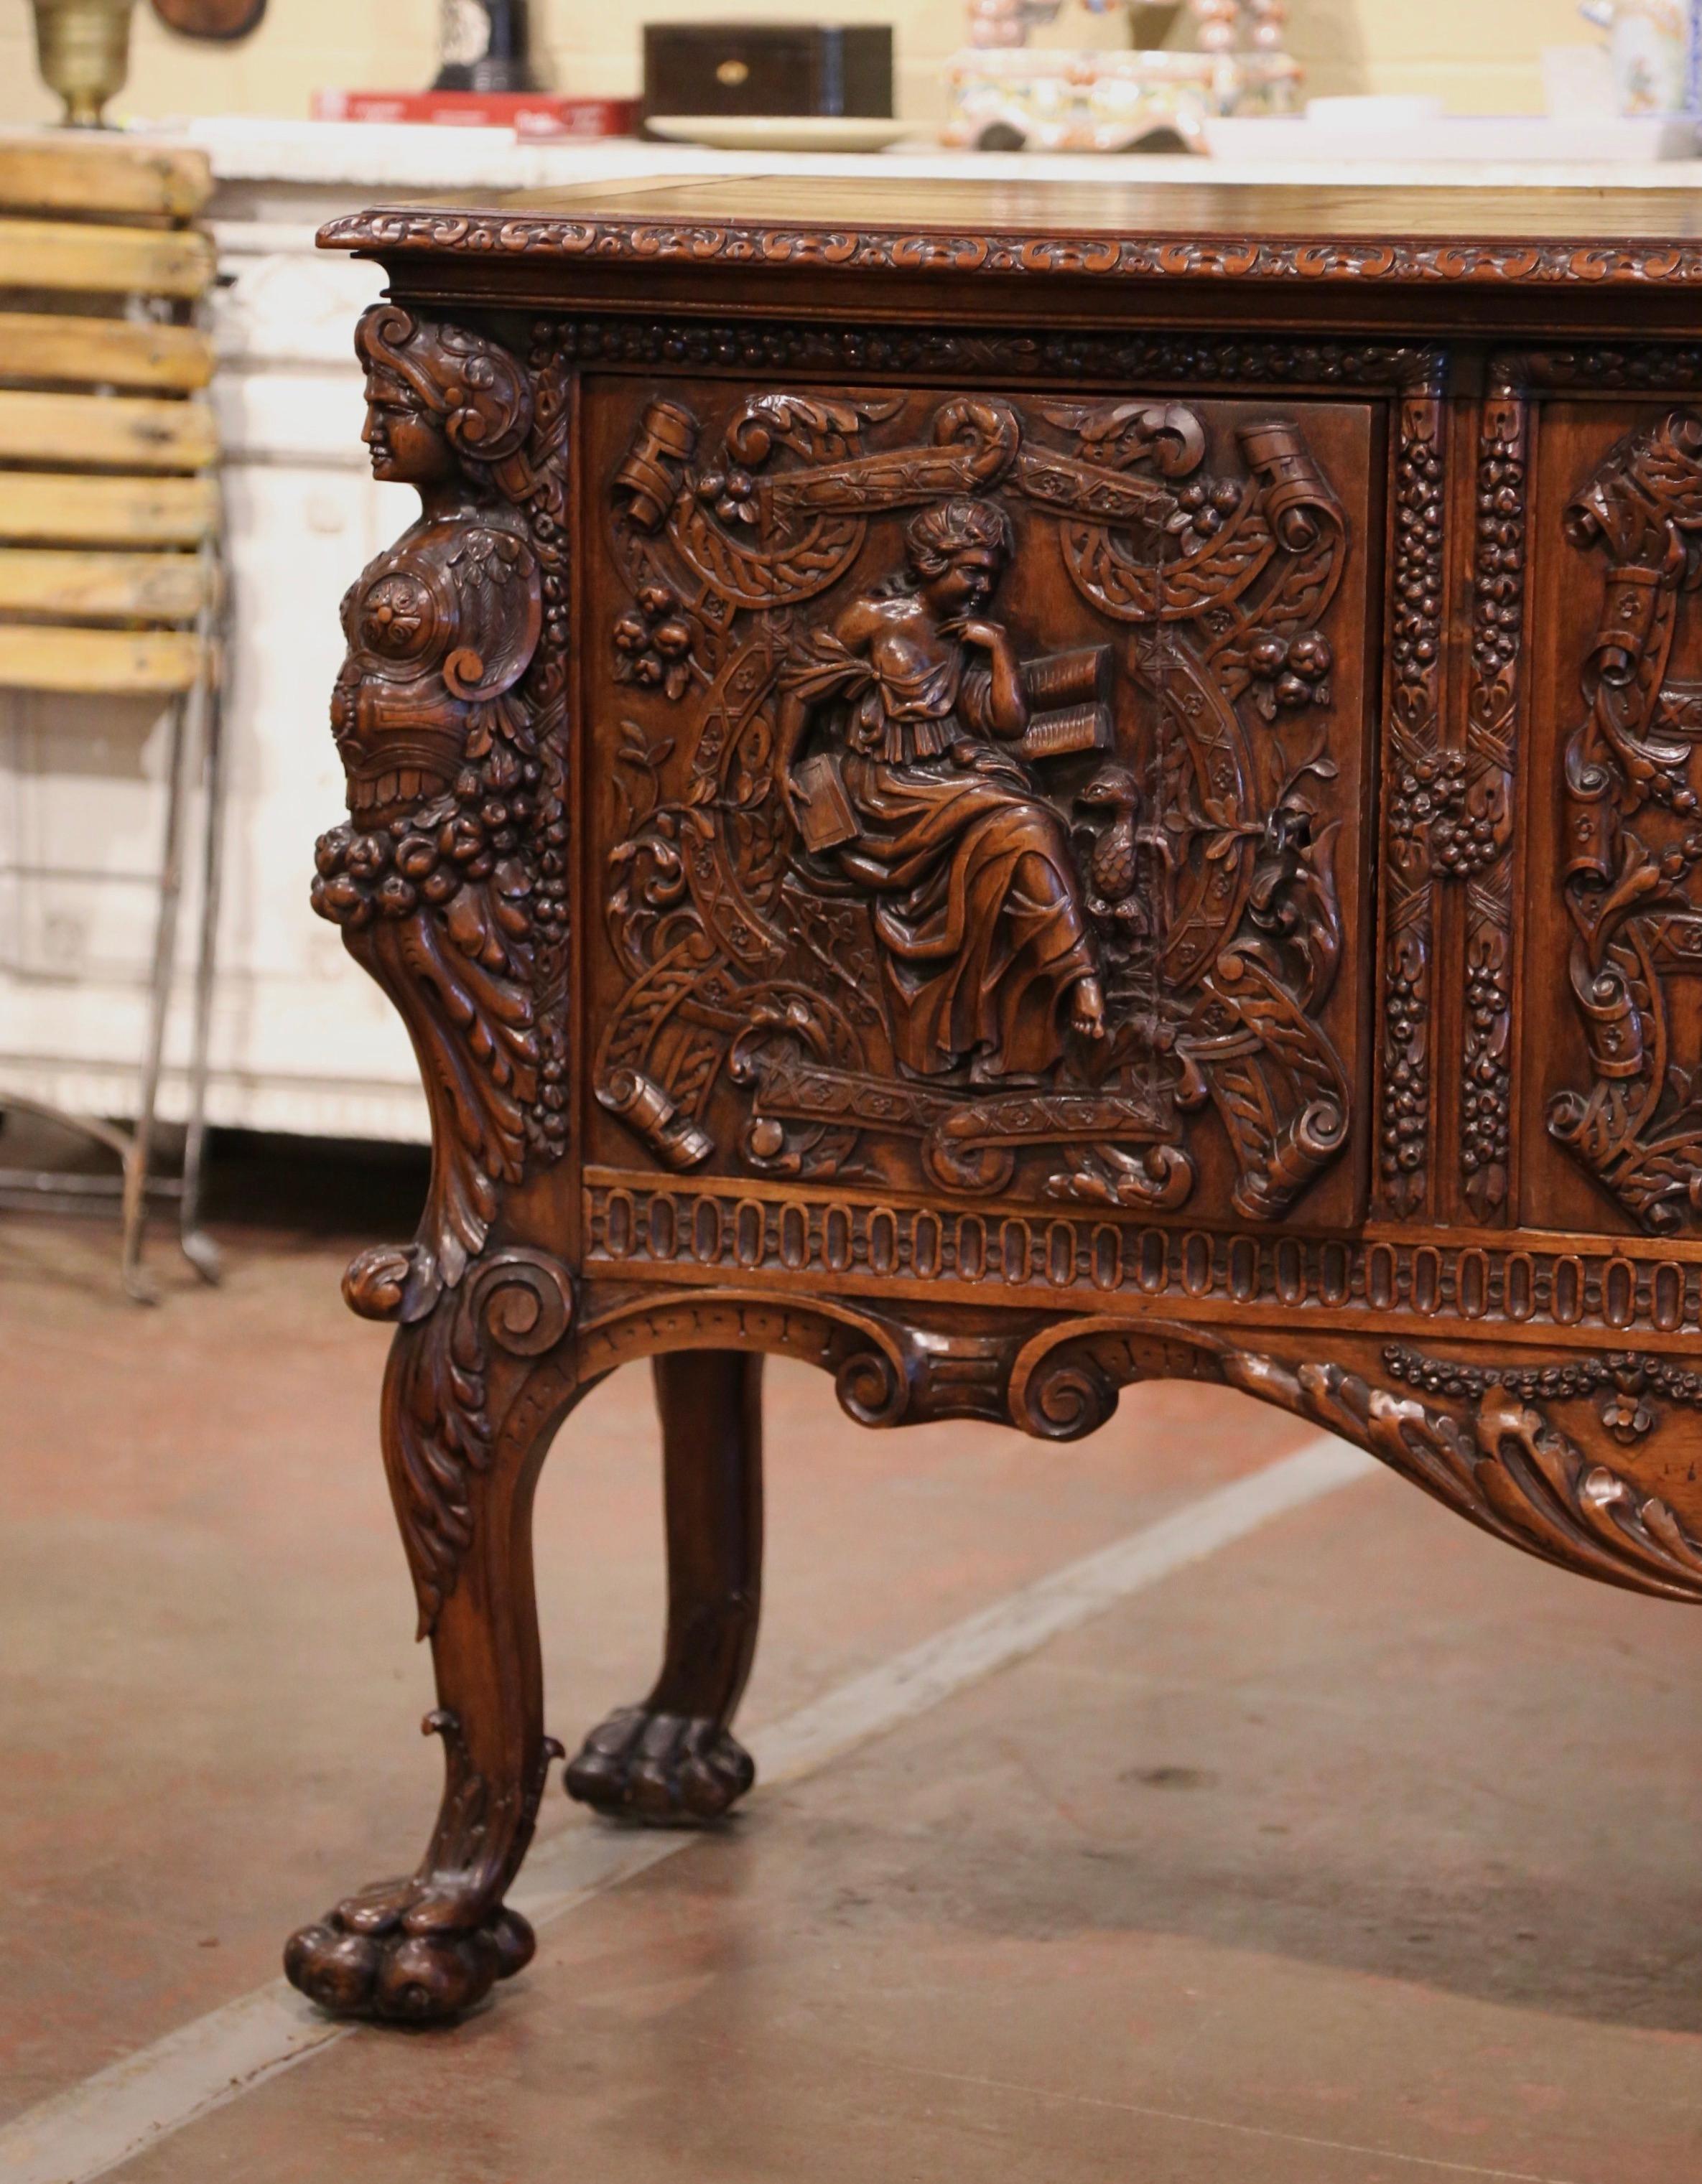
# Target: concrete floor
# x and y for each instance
(1364, 1851)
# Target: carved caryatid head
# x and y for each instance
(957, 550)
(438, 397)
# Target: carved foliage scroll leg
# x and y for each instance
(431, 1944)
(671, 1759)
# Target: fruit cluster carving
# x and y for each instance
(449, 879)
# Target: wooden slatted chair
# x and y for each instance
(110, 528)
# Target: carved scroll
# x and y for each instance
(1632, 836)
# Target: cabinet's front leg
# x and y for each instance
(433, 1944)
(671, 1761)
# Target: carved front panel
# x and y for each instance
(977, 792)
(1612, 1122)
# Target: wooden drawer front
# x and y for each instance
(977, 792)
(1611, 1132)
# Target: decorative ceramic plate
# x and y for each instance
(780, 133)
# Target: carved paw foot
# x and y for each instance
(386, 1953)
(669, 1769)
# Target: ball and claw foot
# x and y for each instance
(669, 1769)
(381, 1954)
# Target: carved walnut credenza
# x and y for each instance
(1103, 787)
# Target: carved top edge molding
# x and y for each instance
(1586, 260)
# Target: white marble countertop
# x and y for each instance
(387, 159)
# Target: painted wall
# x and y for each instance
(1479, 59)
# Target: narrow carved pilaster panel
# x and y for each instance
(1420, 787)
(983, 790)
(1631, 868)
(1473, 838)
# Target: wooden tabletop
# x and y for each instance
(1201, 230)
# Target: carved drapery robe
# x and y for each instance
(976, 912)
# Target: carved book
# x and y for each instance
(825, 816)
(930, 804)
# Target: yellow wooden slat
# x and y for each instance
(104, 660)
(115, 432)
(113, 586)
(49, 508)
(64, 255)
(57, 173)
(103, 352)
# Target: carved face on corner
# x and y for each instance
(407, 443)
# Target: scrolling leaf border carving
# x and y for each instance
(408, 231)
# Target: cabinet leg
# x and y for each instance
(433, 1944)
(671, 1761)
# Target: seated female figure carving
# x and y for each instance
(986, 953)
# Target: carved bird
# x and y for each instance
(1113, 859)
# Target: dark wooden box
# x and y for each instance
(767, 67)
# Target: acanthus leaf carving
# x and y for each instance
(440, 1432)
(1502, 1465)
(1633, 840)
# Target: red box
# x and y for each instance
(527, 113)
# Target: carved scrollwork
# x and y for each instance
(440, 1433)
(1456, 261)
(1502, 1465)
(448, 880)
(850, 876)
(1634, 840)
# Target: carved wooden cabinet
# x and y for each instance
(1103, 787)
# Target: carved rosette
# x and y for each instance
(1473, 839)
(1420, 784)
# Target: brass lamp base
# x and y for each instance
(82, 49)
